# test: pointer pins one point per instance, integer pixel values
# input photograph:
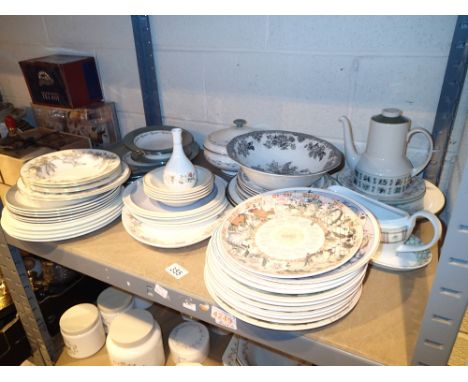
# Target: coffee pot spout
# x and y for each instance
(351, 154)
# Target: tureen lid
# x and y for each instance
(217, 140)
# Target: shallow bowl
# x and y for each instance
(279, 159)
(155, 142)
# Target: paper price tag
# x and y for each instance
(161, 291)
(223, 318)
(189, 305)
(176, 270)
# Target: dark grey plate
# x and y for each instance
(187, 139)
(144, 167)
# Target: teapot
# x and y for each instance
(384, 169)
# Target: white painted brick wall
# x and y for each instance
(293, 73)
(362, 35)
(107, 38)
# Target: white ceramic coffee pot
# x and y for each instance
(384, 169)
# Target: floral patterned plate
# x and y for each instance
(77, 196)
(70, 168)
(290, 234)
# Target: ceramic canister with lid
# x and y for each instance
(112, 302)
(189, 342)
(82, 330)
(135, 339)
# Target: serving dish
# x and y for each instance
(155, 141)
(275, 159)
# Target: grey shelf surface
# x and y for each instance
(382, 328)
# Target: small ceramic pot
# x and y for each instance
(135, 340)
(112, 302)
(82, 330)
(189, 342)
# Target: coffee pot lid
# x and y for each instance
(391, 116)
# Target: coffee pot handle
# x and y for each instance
(437, 232)
(417, 170)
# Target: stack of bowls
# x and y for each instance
(155, 188)
(157, 216)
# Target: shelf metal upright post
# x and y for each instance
(45, 349)
(449, 297)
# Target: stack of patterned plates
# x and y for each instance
(291, 259)
(155, 188)
(65, 194)
(241, 187)
(416, 197)
(155, 223)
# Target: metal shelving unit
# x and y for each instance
(401, 318)
(390, 309)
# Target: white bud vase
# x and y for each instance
(179, 173)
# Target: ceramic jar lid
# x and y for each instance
(218, 140)
(189, 341)
(132, 328)
(112, 300)
(79, 319)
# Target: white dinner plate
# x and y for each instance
(65, 234)
(281, 300)
(175, 238)
(269, 324)
(140, 204)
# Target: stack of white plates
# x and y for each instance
(241, 187)
(155, 223)
(154, 187)
(65, 194)
(291, 259)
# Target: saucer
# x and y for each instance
(433, 201)
(415, 190)
(402, 261)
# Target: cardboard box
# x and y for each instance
(46, 141)
(3, 190)
(62, 80)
